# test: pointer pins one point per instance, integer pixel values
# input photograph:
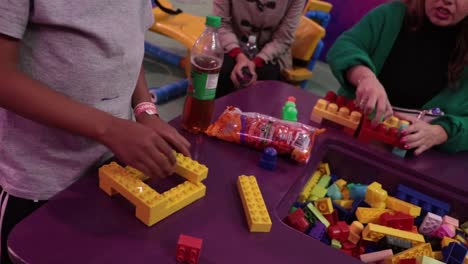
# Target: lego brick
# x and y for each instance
(427, 260)
(324, 205)
(348, 204)
(334, 192)
(355, 230)
(376, 256)
(370, 215)
(408, 261)
(450, 220)
(190, 169)
(298, 221)
(339, 231)
(447, 240)
(316, 213)
(136, 173)
(376, 196)
(374, 232)
(318, 230)
(454, 253)
(188, 249)
(397, 245)
(335, 243)
(436, 242)
(324, 181)
(427, 203)
(381, 133)
(357, 191)
(309, 186)
(445, 230)
(438, 255)
(324, 169)
(464, 227)
(423, 249)
(430, 223)
(402, 206)
(323, 109)
(397, 220)
(255, 209)
(151, 207)
(317, 192)
(341, 183)
(268, 159)
(332, 218)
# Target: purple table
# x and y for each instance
(84, 225)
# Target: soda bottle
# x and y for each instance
(206, 60)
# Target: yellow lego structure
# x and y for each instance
(376, 196)
(374, 232)
(255, 209)
(151, 206)
(324, 205)
(190, 169)
(309, 186)
(330, 111)
(402, 206)
(424, 249)
(370, 215)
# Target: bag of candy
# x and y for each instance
(262, 131)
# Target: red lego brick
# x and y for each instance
(397, 220)
(339, 231)
(188, 249)
(408, 261)
(380, 133)
(332, 218)
(298, 221)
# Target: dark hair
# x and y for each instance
(416, 13)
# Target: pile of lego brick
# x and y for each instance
(367, 223)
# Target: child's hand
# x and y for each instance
(243, 62)
(421, 135)
(144, 148)
(370, 95)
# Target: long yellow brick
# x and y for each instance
(402, 206)
(374, 232)
(255, 209)
(309, 186)
(190, 169)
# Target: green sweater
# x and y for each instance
(370, 41)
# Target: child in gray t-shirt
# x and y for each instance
(70, 72)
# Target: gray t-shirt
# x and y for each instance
(88, 50)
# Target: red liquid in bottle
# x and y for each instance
(199, 104)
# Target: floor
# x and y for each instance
(159, 73)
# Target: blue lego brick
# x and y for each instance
(351, 213)
(454, 253)
(427, 203)
(334, 178)
(318, 231)
(342, 212)
(357, 191)
(334, 192)
(399, 152)
(299, 204)
(268, 159)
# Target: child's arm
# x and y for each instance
(133, 143)
(166, 131)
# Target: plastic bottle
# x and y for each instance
(206, 59)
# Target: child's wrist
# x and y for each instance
(234, 52)
(145, 108)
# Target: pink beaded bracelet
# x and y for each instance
(145, 107)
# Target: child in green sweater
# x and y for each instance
(410, 54)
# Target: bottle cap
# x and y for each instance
(213, 21)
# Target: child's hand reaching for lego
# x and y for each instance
(370, 96)
(146, 145)
(421, 135)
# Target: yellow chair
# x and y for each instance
(307, 38)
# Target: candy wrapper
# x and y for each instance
(261, 131)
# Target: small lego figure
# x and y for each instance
(289, 112)
(268, 160)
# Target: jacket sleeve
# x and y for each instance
(229, 40)
(357, 45)
(456, 127)
(283, 37)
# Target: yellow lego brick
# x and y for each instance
(309, 186)
(424, 249)
(341, 183)
(190, 169)
(466, 260)
(345, 203)
(427, 260)
(255, 209)
(370, 215)
(447, 240)
(151, 207)
(402, 206)
(324, 205)
(324, 169)
(376, 196)
(438, 255)
(392, 122)
(136, 173)
(374, 232)
(330, 111)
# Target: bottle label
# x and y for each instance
(204, 85)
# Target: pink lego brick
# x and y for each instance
(450, 220)
(430, 223)
(376, 256)
(445, 230)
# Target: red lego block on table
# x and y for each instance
(397, 220)
(188, 249)
(339, 231)
(298, 221)
(382, 133)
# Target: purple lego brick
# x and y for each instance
(318, 230)
(430, 223)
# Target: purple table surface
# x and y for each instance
(84, 225)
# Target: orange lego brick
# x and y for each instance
(323, 109)
(376, 196)
(344, 203)
(402, 206)
(423, 249)
(374, 232)
(324, 205)
(255, 209)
